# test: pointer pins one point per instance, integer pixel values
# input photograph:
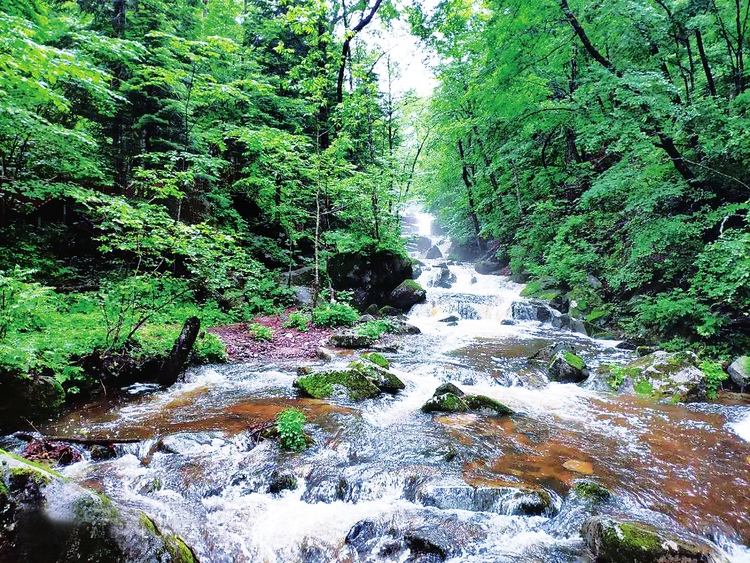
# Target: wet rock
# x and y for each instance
(591, 490)
(372, 276)
(641, 351)
(377, 359)
(626, 345)
(463, 252)
(36, 398)
(46, 451)
(537, 310)
(613, 541)
(303, 295)
(351, 340)
(325, 354)
(361, 535)
(407, 293)
(102, 453)
(593, 282)
(281, 482)
(433, 253)
(49, 519)
(423, 244)
(447, 402)
(358, 381)
(488, 267)
(365, 319)
(449, 319)
(402, 327)
(548, 352)
(511, 501)
(660, 374)
(566, 367)
(388, 311)
(450, 399)
(372, 310)
(508, 322)
(739, 371)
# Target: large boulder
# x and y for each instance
(566, 367)
(739, 371)
(34, 398)
(358, 381)
(450, 399)
(407, 293)
(301, 276)
(351, 340)
(433, 253)
(613, 541)
(372, 277)
(488, 267)
(46, 518)
(660, 374)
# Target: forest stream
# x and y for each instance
(384, 478)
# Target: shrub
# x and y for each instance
(298, 321)
(715, 374)
(209, 349)
(290, 424)
(260, 332)
(334, 314)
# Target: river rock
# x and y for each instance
(402, 327)
(511, 501)
(45, 518)
(566, 367)
(407, 293)
(614, 541)
(487, 267)
(358, 381)
(304, 276)
(449, 319)
(450, 399)
(673, 375)
(433, 253)
(739, 371)
(34, 398)
(372, 276)
(351, 340)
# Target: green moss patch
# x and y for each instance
(591, 490)
(378, 360)
(447, 402)
(573, 360)
(484, 403)
(322, 385)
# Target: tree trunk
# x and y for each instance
(172, 366)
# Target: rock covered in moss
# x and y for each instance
(85, 527)
(358, 381)
(407, 293)
(377, 359)
(33, 398)
(566, 367)
(590, 490)
(612, 541)
(351, 340)
(450, 399)
(739, 371)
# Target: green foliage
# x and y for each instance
(299, 321)
(290, 424)
(573, 360)
(378, 360)
(260, 332)
(334, 314)
(715, 375)
(374, 329)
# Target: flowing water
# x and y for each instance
(407, 486)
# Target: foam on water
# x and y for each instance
(742, 428)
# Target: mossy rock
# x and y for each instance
(487, 405)
(666, 375)
(378, 359)
(739, 372)
(566, 367)
(447, 402)
(591, 490)
(388, 311)
(324, 384)
(381, 378)
(32, 398)
(612, 541)
(351, 341)
(408, 293)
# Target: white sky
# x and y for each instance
(407, 52)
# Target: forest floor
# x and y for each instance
(287, 343)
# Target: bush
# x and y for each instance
(260, 332)
(209, 349)
(715, 374)
(334, 314)
(290, 424)
(298, 321)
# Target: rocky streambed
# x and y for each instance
(469, 453)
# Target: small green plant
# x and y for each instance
(334, 314)
(617, 375)
(374, 329)
(644, 387)
(209, 349)
(715, 374)
(378, 360)
(299, 321)
(260, 332)
(290, 424)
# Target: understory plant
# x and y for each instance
(334, 314)
(290, 424)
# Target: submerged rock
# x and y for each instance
(590, 490)
(613, 541)
(407, 293)
(566, 367)
(450, 399)
(739, 371)
(46, 518)
(511, 501)
(358, 381)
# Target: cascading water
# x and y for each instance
(386, 482)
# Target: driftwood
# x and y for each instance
(28, 437)
(174, 363)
